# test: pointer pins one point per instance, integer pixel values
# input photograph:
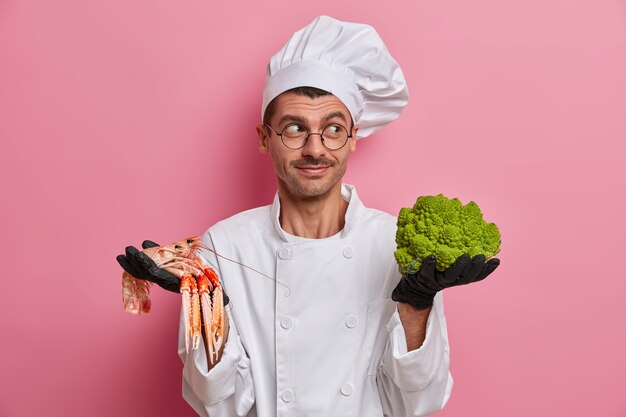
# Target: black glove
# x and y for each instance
(419, 289)
(141, 266)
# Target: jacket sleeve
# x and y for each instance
(419, 382)
(227, 389)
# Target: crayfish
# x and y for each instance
(203, 299)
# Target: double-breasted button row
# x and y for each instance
(285, 253)
(288, 396)
(350, 322)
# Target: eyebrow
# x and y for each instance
(336, 114)
(291, 118)
(298, 119)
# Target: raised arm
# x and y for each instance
(414, 376)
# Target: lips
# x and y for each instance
(313, 170)
(313, 167)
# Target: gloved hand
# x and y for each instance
(419, 289)
(141, 266)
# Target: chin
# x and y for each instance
(313, 190)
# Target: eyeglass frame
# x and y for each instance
(309, 133)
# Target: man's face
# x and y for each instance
(312, 170)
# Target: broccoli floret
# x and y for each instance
(446, 255)
(421, 247)
(436, 225)
(403, 215)
(403, 258)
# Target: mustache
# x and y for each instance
(308, 162)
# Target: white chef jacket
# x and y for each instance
(325, 339)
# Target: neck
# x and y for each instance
(312, 217)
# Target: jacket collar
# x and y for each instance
(353, 214)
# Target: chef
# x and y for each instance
(337, 331)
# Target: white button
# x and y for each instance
(347, 252)
(287, 396)
(284, 253)
(351, 321)
(346, 389)
(446, 348)
(286, 322)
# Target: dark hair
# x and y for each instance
(310, 92)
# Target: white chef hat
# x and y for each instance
(346, 59)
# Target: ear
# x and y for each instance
(352, 143)
(263, 138)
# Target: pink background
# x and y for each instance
(127, 120)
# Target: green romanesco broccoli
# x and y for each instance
(446, 228)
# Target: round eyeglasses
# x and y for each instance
(295, 136)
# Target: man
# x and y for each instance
(340, 332)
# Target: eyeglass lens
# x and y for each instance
(334, 136)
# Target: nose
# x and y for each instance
(314, 147)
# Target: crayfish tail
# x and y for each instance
(135, 294)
